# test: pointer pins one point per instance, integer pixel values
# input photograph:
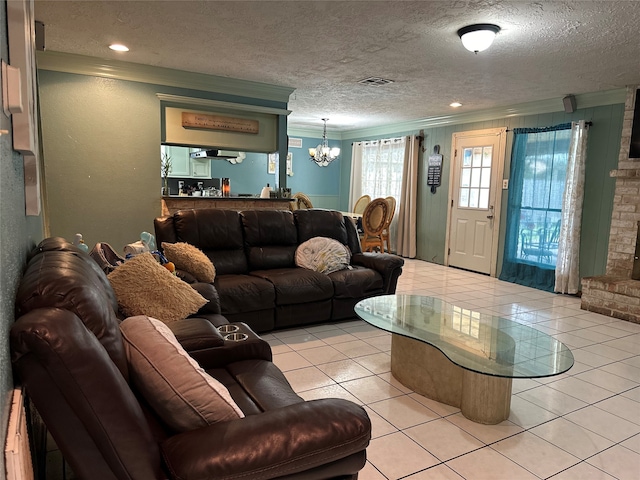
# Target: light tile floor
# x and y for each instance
(584, 424)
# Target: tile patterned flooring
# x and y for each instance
(584, 424)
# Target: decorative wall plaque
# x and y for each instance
(218, 122)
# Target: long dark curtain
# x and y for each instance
(536, 185)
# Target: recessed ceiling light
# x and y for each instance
(455, 104)
(119, 48)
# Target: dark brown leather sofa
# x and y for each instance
(67, 351)
(257, 279)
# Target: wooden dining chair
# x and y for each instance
(387, 223)
(373, 221)
(301, 202)
(361, 204)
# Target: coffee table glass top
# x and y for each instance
(475, 341)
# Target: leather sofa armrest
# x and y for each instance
(253, 348)
(272, 444)
(196, 334)
(185, 276)
(208, 291)
(388, 265)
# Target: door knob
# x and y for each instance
(489, 217)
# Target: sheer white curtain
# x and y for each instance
(376, 170)
(384, 168)
(355, 190)
(568, 263)
(407, 214)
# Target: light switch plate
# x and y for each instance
(11, 89)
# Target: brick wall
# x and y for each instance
(626, 201)
(615, 294)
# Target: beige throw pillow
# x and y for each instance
(144, 287)
(176, 387)
(190, 259)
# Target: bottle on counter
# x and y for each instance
(225, 186)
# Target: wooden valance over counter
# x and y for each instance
(172, 204)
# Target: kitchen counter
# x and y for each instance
(173, 203)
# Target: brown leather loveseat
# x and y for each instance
(69, 353)
(257, 279)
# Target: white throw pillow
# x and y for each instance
(322, 254)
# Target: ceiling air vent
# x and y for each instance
(375, 81)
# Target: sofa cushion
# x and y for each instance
(297, 285)
(175, 386)
(218, 233)
(244, 293)
(271, 238)
(320, 223)
(144, 287)
(323, 255)
(190, 259)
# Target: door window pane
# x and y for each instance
(466, 157)
(477, 157)
(464, 197)
(473, 198)
(466, 177)
(475, 177)
(487, 154)
(486, 178)
(484, 198)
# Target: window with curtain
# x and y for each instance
(535, 201)
(382, 165)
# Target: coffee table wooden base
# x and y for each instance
(427, 371)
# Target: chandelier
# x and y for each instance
(322, 154)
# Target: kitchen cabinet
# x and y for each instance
(200, 168)
(183, 166)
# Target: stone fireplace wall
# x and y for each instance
(615, 294)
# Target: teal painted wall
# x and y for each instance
(18, 235)
(602, 156)
(320, 184)
(246, 177)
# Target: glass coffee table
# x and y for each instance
(462, 357)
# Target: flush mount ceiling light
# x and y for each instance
(455, 104)
(322, 154)
(478, 37)
(119, 48)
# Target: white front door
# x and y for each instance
(476, 178)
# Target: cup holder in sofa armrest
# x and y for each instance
(236, 337)
(196, 334)
(234, 350)
(229, 328)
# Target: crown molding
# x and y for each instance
(587, 100)
(135, 72)
(311, 132)
(204, 102)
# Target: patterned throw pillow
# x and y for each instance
(144, 287)
(190, 259)
(324, 255)
(176, 387)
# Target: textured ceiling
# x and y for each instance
(546, 49)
